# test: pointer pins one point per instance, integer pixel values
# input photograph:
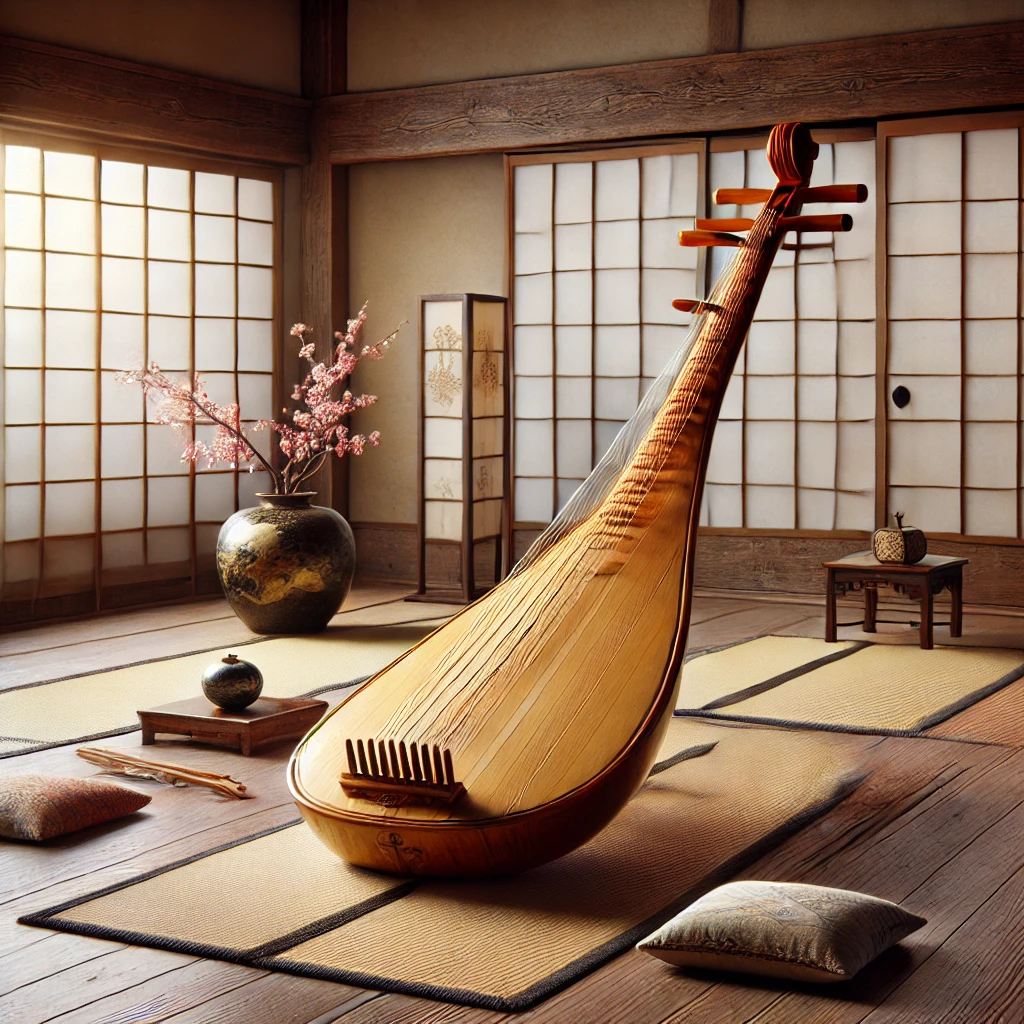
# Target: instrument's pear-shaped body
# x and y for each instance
(520, 728)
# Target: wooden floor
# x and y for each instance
(938, 826)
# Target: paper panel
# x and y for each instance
(771, 507)
(215, 290)
(69, 174)
(488, 384)
(533, 184)
(121, 182)
(725, 504)
(617, 244)
(924, 229)
(121, 450)
(990, 454)
(442, 324)
(990, 513)
(534, 398)
(617, 351)
(991, 227)
(532, 302)
(817, 342)
(573, 397)
(857, 349)
(70, 396)
(23, 396)
(990, 398)
(660, 246)
(256, 395)
(23, 169)
(572, 249)
(573, 297)
(120, 403)
(856, 459)
(573, 193)
(221, 389)
(657, 185)
(255, 243)
(215, 344)
(924, 167)
(615, 398)
(23, 221)
(855, 289)
(70, 281)
(732, 403)
(255, 199)
(822, 173)
(215, 238)
(574, 458)
(486, 519)
(933, 509)
(770, 347)
(23, 452)
(659, 288)
(859, 242)
(991, 346)
(124, 284)
(924, 288)
(574, 350)
(168, 547)
(618, 190)
(990, 286)
(443, 383)
(816, 455)
(23, 337)
(532, 350)
(250, 485)
(123, 230)
(163, 451)
(167, 187)
(660, 343)
(121, 505)
(605, 432)
(816, 291)
(816, 398)
(534, 500)
(122, 550)
(759, 173)
(168, 501)
(776, 302)
(488, 477)
(725, 464)
(534, 448)
(771, 398)
(769, 453)
(170, 235)
(617, 296)
(532, 252)
(70, 339)
(816, 510)
(70, 509)
(925, 347)
(70, 453)
(566, 489)
(924, 454)
(215, 497)
(488, 437)
(255, 292)
(488, 326)
(21, 512)
(170, 291)
(855, 511)
(991, 163)
(255, 345)
(215, 193)
(857, 398)
(169, 342)
(442, 478)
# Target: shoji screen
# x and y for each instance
(953, 240)
(795, 445)
(596, 263)
(112, 262)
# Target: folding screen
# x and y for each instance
(463, 443)
(953, 308)
(113, 261)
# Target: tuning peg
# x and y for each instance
(724, 224)
(818, 194)
(695, 306)
(696, 238)
(825, 222)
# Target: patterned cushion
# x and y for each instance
(782, 929)
(43, 806)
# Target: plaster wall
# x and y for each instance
(247, 42)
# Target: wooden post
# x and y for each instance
(725, 26)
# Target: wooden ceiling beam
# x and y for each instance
(46, 87)
(876, 77)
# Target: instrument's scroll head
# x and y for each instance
(791, 153)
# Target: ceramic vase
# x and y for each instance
(286, 565)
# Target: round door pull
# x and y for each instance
(900, 396)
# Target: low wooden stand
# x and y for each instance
(920, 581)
(267, 720)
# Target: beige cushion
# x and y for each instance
(782, 929)
(40, 807)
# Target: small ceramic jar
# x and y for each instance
(232, 684)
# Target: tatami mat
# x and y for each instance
(883, 687)
(502, 944)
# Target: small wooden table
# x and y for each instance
(921, 582)
(265, 720)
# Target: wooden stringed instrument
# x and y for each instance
(521, 727)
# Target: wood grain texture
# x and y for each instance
(725, 25)
(45, 86)
(874, 77)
